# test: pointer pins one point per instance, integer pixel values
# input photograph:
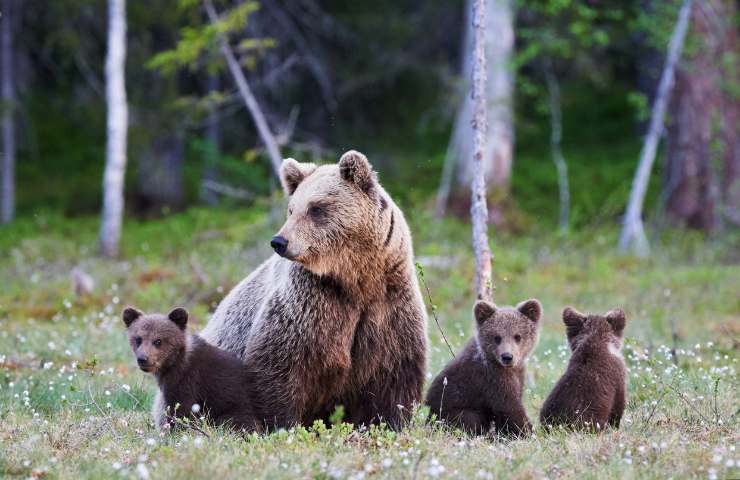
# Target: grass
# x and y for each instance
(73, 405)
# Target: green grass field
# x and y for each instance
(74, 405)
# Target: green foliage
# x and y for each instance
(566, 29)
(198, 41)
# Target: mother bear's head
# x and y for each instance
(336, 213)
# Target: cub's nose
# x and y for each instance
(279, 244)
(142, 361)
(507, 358)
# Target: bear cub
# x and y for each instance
(483, 384)
(194, 377)
(591, 393)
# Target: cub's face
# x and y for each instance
(608, 328)
(331, 208)
(508, 335)
(156, 340)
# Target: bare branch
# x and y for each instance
(251, 102)
(227, 190)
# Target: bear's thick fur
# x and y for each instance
(190, 371)
(591, 393)
(483, 384)
(338, 317)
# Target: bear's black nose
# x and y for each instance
(142, 361)
(280, 245)
(507, 358)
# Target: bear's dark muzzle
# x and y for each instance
(507, 358)
(280, 245)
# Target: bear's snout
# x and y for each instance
(280, 245)
(143, 362)
(507, 358)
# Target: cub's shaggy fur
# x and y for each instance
(335, 317)
(194, 378)
(484, 383)
(591, 393)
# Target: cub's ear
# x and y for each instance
(617, 320)
(532, 309)
(292, 174)
(483, 310)
(355, 169)
(130, 314)
(573, 320)
(180, 316)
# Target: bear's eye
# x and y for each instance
(315, 211)
(497, 339)
(157, 343)
(290, 211)
(137, 341)
(517, 338)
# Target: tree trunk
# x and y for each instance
(497, 157)
(254, 109)
(556, 136)
(730, 114)
(115, 163)
(633, 230)
(160, 183)
(479, 208)
(7, 209)
(702, 140)
(212, 149)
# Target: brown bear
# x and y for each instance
(336, 316)
(484, 383)
(591, 393)
(194, 377)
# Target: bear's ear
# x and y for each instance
(573, 320)
(483, 310)
(180, 316)
(355, 169)
(130, 314)
(292, 174)
(617, 320)
(532, 309)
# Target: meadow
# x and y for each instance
(74, 405)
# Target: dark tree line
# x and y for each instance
(327, 75)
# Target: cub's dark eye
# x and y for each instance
(157, 343)
(497, 339)
(517, 338)
(290, 211)
(315, 211)
(137, 341)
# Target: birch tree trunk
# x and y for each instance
(268, 139)
(115, 163)
(633, 230)
(498, 153)
(556, 136)
(7, 210)
(479, 208)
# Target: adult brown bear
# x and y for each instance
(336, 317)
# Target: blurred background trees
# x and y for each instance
(388, 77)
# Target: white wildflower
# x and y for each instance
(142, 471)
